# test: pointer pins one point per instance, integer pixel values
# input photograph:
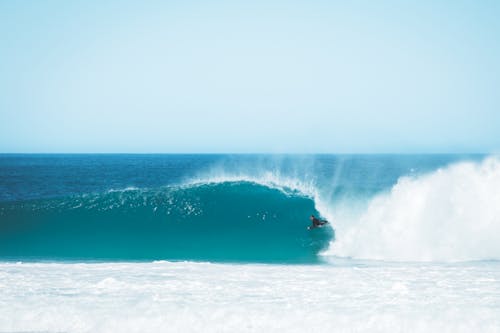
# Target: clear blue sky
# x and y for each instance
(250, 76)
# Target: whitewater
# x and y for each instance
(451, 214)
(220, 243)
(195, 297)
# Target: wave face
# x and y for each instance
(217, 221)
(451, 214)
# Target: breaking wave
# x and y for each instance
(218, 220)
(451, 214)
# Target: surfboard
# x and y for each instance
(318, 226)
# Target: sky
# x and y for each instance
(249, 76)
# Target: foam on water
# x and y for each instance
(451, 214)
(203, 297)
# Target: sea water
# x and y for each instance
(106, 243)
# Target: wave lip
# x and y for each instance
(452, 214)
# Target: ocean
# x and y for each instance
(219, 243)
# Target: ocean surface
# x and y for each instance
(219, 243)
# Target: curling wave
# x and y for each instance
(219, 220)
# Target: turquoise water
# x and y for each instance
(235, 221)
(219, 243)
(217, 208)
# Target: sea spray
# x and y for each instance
(451, 214)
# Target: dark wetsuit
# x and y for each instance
(317, 222)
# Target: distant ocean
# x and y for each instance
(219, 243)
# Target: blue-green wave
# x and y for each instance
(226, 221)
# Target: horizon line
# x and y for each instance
(248, 153)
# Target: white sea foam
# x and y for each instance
(126, 189)
(452, 214)
(200, 297)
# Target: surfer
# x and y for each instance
(315, 222)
